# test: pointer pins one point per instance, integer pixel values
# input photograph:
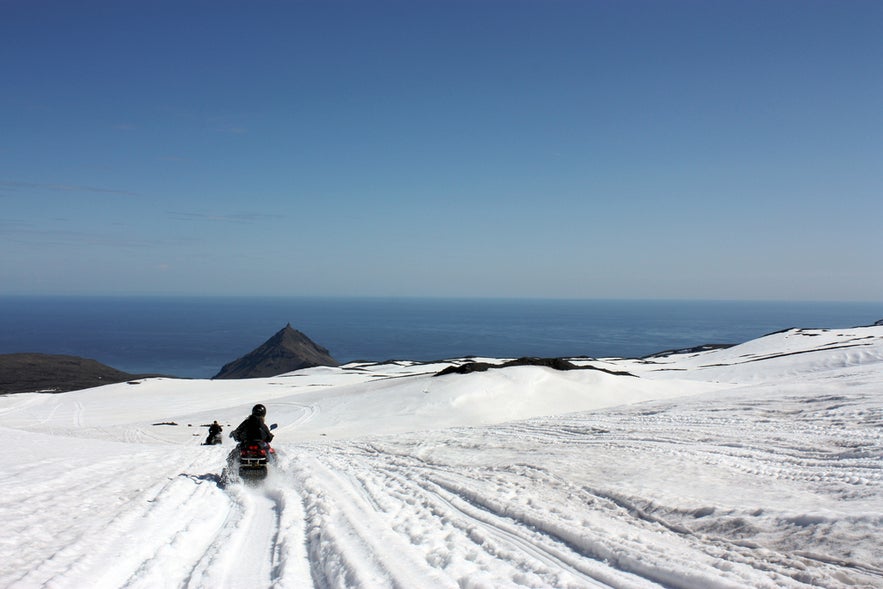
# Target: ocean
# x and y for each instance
(195, 336)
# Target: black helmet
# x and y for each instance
(259, 410)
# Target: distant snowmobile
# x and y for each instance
(214, 434)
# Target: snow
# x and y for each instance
(754, 466)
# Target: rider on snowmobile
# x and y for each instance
(214, 429)
(253, 428)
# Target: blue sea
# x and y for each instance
(194, 337)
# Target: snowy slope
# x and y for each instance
(756, 466)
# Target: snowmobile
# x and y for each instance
(214, 434)
(250, 461)
(214, 440)
(254, 459)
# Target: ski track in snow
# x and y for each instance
(486, 519)
(760, 486)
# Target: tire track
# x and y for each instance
(149, 527)
(350, 542)
(245, 554)
(423, 503)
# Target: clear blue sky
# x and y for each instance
(542, 148)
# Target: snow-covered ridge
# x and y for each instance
(759, 465)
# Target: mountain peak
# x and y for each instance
(287, 350)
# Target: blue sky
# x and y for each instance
(541, 148)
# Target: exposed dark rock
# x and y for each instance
(286, 351)
(55, 373)
(693, 350)
(556, 363)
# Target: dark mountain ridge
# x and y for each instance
(55, 373)
(287, 350)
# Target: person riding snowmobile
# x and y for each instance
(253, 428)
(214, 430)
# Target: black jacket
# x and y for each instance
(252, 429)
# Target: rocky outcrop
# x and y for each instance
(54, 373)
(286, 351)
(556, 363)
(693, 350)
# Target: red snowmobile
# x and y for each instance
(249, 461)
(254, 458)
